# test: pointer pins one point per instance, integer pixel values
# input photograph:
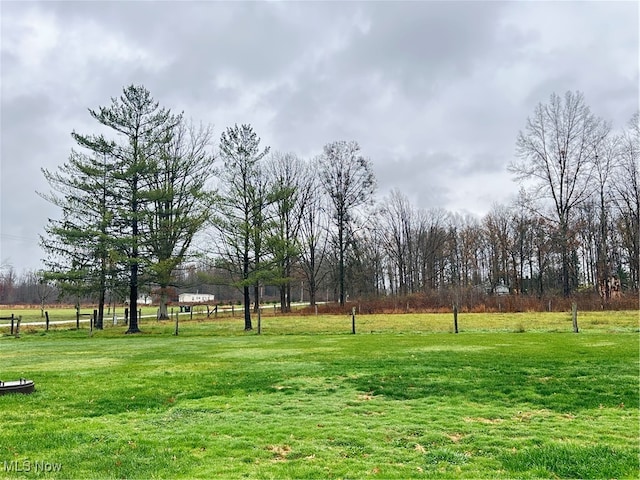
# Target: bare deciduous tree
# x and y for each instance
(291, 182)
(432, 237)
(314, 230)
(497, 224)
(398, 233)
(347, 178)
(556, 152)
(627, 196)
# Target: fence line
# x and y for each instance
(463, 321)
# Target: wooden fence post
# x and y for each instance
(12, 324)
(46, 316)
(18, 326)
(353, 320)
(455, 318)
(574, 316)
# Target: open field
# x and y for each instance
(512, 395)
(34, 314)
(274, 323)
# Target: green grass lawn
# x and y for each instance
(273, 323)
(508, 397)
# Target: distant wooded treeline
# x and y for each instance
(164, 210)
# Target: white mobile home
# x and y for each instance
(196, 298)
(145, 300)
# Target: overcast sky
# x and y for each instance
(434, 92)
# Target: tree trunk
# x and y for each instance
(133, 281)
(540, 272)
(256, 296)
(287, 275)
(102, 293)
(312, 297)
(566, 289)
(283, 299)
(163, 313)
(133, 300)
(341, 260)
(247, 308)
(312, 278)
(100, 319)
(245, 288)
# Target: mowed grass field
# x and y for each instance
(273, 323)
(510, 396)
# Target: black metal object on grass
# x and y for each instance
(17, 386)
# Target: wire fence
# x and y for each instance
(354, 319)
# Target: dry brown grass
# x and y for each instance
(474, 302)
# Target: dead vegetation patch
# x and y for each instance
(280, 452)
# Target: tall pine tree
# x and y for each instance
(78, 245)
(106, 206)
(180, 198)
(239, 209)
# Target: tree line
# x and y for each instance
(154, 203)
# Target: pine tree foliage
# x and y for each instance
(291, 183)
(134, 199)
(79, 245)
(238, 215)
(131, 202)
(178, 190)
